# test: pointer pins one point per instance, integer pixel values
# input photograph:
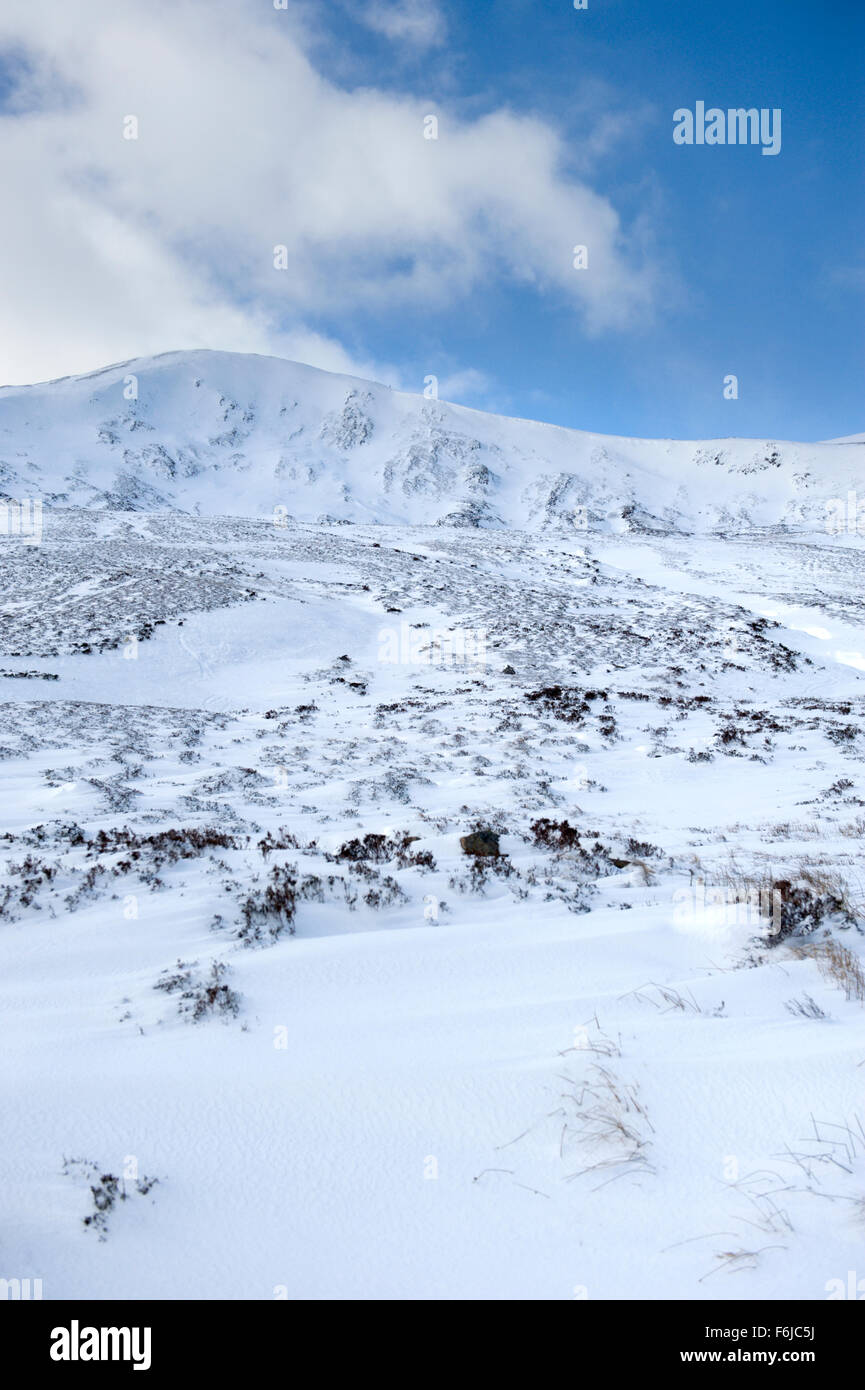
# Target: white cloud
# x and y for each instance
(110, 247)
(419, 22)
(470, 384)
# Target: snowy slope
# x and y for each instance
(242, 950)
(224, 433)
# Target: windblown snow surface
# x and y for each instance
(269, 1031)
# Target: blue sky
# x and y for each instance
(406, 257)
(768, 253)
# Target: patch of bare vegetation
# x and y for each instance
(200, 994)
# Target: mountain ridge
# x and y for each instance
(210, 432)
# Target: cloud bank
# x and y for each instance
(112, 247)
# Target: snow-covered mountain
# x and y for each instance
(225, 433)
(272, 1026)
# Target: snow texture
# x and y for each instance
(270, 1031)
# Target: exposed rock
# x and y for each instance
(480, 843)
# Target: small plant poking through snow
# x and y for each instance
(563, 838)
(837, 964)
(604, 1123)
(106, 1190)
(806, 1007)
(381, 849)
(200, 995)
(799, 909)
(268, 912)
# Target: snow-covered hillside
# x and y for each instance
(223, 433)
(271, 1029)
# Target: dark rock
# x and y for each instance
(481, 842)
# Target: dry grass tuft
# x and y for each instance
(838, 964)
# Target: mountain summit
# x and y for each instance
(213, 433)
